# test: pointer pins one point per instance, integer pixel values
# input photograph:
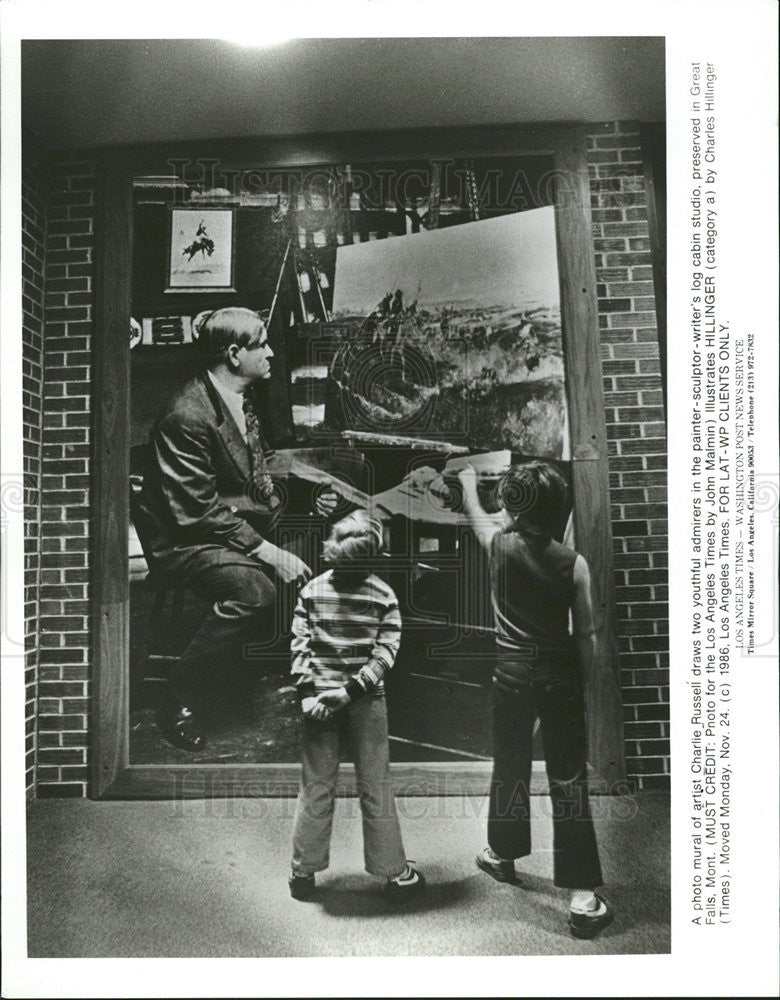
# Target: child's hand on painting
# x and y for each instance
(428, 483)
(468, 476)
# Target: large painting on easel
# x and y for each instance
(454, 334)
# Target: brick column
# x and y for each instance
(34, 189)
(64, 593)
(637, 441)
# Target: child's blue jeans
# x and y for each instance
(361, 725)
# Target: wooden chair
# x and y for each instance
(167, 601)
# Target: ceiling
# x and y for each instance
(79, 93)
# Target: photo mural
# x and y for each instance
(406, 344)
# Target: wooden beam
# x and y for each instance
(110, 468)
(247, 781)
(590, 472)
(290, 152)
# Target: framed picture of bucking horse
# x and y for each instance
(200, 255)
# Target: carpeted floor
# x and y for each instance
(208, 878)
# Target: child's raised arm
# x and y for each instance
(483, 525)
(582, 618)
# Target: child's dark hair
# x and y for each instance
(535, 495)
(352, 541)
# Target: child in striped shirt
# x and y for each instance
(346, 633)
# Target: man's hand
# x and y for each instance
(335, 699)
(326, 502)
(288, 567)
(307, 704)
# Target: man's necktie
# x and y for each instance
(261, 478)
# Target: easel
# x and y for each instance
(307, 274)
(306, 270)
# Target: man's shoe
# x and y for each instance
(178, 726)
(301, 886)
(587, 925)
(501, 871)
(408, 884)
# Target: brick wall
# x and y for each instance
(34, 189)
(634, 412)
(64, 687)
(637, 442)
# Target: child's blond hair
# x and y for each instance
(353, 540)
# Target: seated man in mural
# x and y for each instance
(208, 507)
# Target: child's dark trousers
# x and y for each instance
(560, 708)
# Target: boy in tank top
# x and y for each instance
(535, 583)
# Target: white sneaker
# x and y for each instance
(588, 923)
(407, 884)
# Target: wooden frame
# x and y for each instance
(201, 251)
(113, 775)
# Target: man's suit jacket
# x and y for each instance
(197, 488)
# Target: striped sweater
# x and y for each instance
(346, 632)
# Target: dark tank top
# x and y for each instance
(532, 590)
